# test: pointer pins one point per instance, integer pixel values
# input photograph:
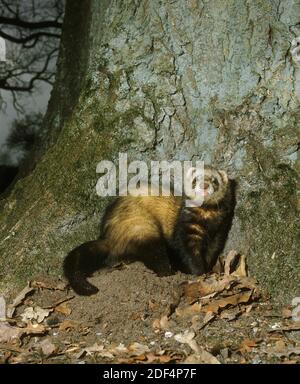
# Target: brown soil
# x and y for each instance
(130, 302)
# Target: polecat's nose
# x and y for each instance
(206, 185)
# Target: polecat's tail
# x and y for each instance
(81, 262)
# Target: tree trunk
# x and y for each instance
(212, 80)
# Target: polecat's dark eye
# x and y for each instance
(215, 181)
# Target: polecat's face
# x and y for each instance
(213, 184)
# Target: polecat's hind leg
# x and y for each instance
(81, 262)
(154, 254)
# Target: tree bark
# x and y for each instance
(211, 80)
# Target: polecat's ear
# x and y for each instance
(224, 176)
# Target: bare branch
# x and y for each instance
(38, 76)
(34, 27)
(28, 38)
(30, 24)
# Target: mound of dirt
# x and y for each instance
(140, 317)
(128, 302)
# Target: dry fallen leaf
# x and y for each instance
(206, 286)
(63, 308)
(137, 349)
(21, 358)
(5, 356)
(230, 314)
(10, 347)
(162, 323)
(247, 345)
(188, 310)
(99, 349)
(72, 348)
(286, 313)
(95, 349)
(187, 338)
(209, 316)
(281, 350)
(19, 300)
(60, 301)
(9, 333)
(163, 359)
(66, 325)
(47, 347)
(231, 262)
(287, 328)
(235, 264)
(151, 358)
(246, 282)
(197, 324)
(36, 313)
(219, 266)
(232, 300)
(248, 308)
(132, 360)
(241, 269)
(34, 329)
(280, 346)
(119, 349)
(202, 357)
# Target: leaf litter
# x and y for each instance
(211, 319)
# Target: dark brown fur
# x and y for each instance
(160, 231)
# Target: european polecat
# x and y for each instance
(161, 231)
